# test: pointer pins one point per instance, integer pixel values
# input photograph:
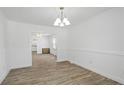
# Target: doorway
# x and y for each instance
(44, 49)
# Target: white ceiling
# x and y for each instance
(47, 15)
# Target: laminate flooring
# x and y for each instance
(46, 71)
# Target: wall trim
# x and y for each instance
(22, 66)
(115, 78)
(61, 60)
(116, 53)
(4, 76)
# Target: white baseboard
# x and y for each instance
(115, 78)
(4, 76)
(16, 67)
(60, 60)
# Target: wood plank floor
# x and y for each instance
(45, 71)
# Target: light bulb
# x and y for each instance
(57, 22)
(65, 20)
(61, 24)
(67, 23)
(39, 35)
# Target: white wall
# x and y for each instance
(3, 63)
(19, 42)
(43, 42)
(46, 42)
(98, 44)
(53, 49)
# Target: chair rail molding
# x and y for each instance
(116, 53)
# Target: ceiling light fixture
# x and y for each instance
(61, 20)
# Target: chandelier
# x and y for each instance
(61, 20)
